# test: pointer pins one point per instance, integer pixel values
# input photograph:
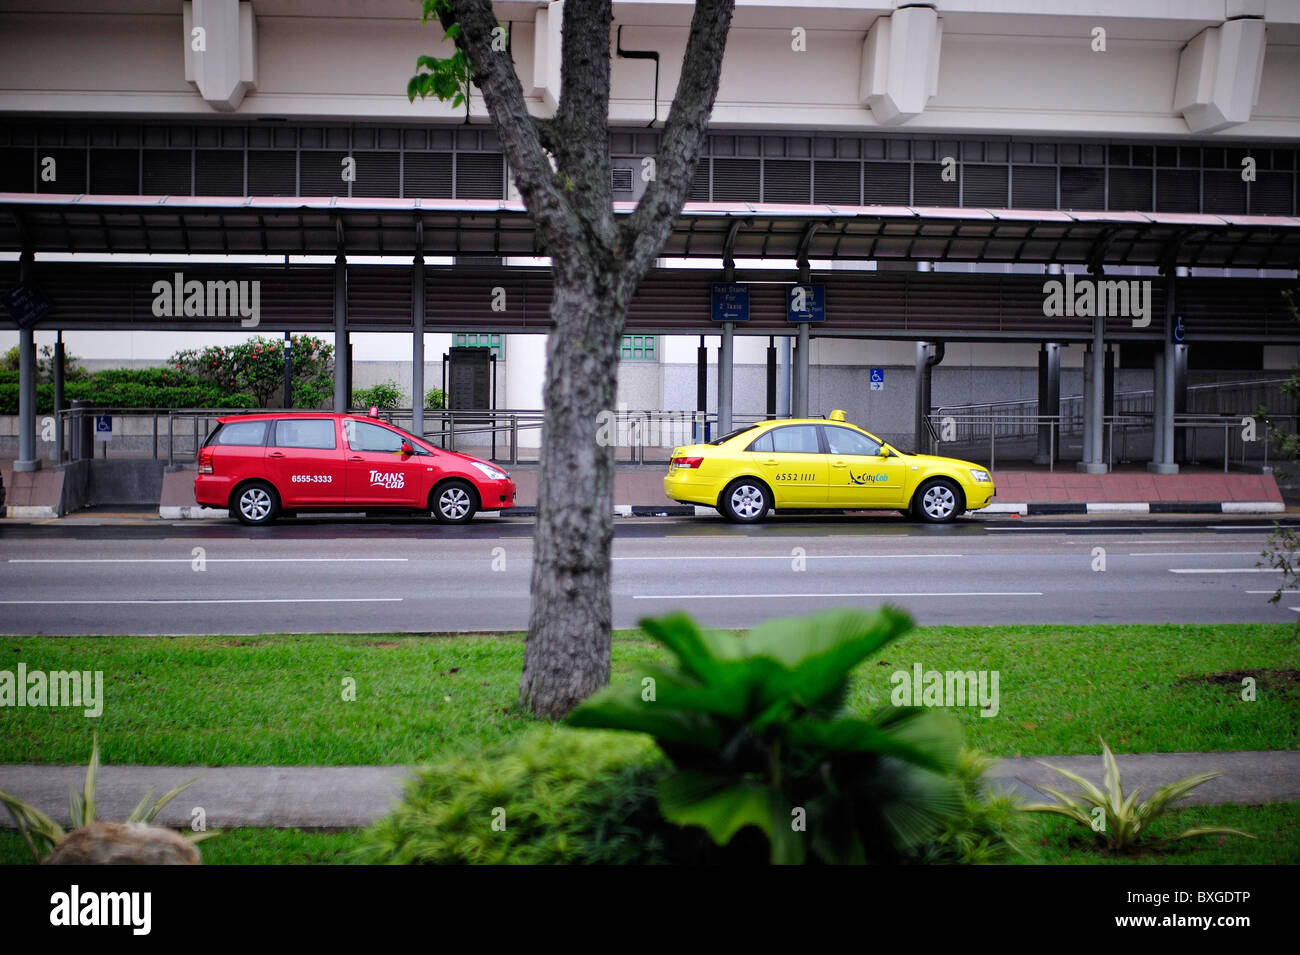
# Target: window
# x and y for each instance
(848, 441)
(247, 433)
(639, 348)
(764, 443)
(796, 439)
(493, 340)
(371, 437)
(317, 433)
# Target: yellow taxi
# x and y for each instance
(815, 463)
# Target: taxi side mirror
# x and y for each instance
(407, 448)
(885, 452)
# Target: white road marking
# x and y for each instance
(783, 556)
(1224, 570)
(209, 560)
(231, 600)
(1201, 553)
(954, 593)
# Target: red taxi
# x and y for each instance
(262, 466)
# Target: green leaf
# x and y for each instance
(168, 797)
(858, 736)
(620, 707)
(1089, 789)
(137, 814)
(1111, 779)
(1208, 831)
(718, 804)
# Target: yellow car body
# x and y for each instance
(801, 463)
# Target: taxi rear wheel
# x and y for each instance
(256, 503)
(937, 502)
(746, 501)
(454, 503)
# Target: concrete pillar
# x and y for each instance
(771, 377)
(1108, 402)
(342, 358)
(417, 345)
(702, 387)
(60, 357)
(800, 398)
(1163, 462)
(783, 379)
(726, 356)
(27, 459)
(1157, 413)
(921, 399)
(1094, 400)
(1049, 400)
(1180, 401)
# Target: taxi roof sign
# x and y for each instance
(838, 415)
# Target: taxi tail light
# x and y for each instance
(205, 461)
(687, 462)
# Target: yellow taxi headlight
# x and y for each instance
(980, 476)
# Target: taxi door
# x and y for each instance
(378, 473)
(304, 461)
(790, 459)
(860, 475)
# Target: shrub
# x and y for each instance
(757, 736)
(256, 367)
(131, 388)
(386, 394)
(989, 830)
(569, 797)
(435, 399)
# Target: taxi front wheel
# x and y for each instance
(256, 503)
(745, 501)
(454, 503)
(937, 501)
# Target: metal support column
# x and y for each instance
(342, 356)
(726, 361)
(1163, 462)
(1180, 401)
(771, 377)
(1108, 401)
(1157, 412)
(60, 358)
(1049, 400)
(27, 459)
(800, 396)
(702, 388)
(417, 345)
(1094, 398)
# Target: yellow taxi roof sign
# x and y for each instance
(838, 415)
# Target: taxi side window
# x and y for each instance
(370, 437)
(848, 441)
(246, 433)
(763, 443)
(312, 433)
(795, 439)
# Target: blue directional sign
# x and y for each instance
(26, 305)
(877, 379)
(805, 303)
(730, 302)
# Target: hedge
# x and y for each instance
(117, 391)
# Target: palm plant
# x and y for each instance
(1123, 822)
(757, 734)
(42, 834)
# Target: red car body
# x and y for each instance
(260, 466)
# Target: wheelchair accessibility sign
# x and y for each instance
(103, 427)
(877, 379)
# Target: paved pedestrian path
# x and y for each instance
(348, 796)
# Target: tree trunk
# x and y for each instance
(566, 657)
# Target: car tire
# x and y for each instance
(745, 501)
(453, 502)
(937, 501)
(255, 504)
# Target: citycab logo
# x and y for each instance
(177, 298)
(393, 480)
(1091, 298)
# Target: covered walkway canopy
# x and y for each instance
(872, 304)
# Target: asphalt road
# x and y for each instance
(342, 575)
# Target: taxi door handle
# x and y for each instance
(770, 461)
(276, 454)
(356, 457)
(838, 464)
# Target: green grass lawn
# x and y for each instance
(278, 700)
(1050, 841)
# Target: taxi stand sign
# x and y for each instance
(730, 302)
(805, 303)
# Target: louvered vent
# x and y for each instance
(218, 173)
(16, 170)
(427, 175)
(115, 172)
(620, 179)
(1270, 194)
(984, 187)
(1178, 190)
(1033, 187)
(1130, 190)
(1083, 188)
(69, 170)
(886, 184)
(321, 173)
(837, 182)
(377, 174)
(272, 173)
(735, 180)
(166, 172)
(787, 180)
(480, 176)
(1224, 192)
(929, 188)
(700, 184)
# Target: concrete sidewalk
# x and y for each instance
(348, 796)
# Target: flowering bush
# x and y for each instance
(257, 367)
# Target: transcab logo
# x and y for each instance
(394, 480)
